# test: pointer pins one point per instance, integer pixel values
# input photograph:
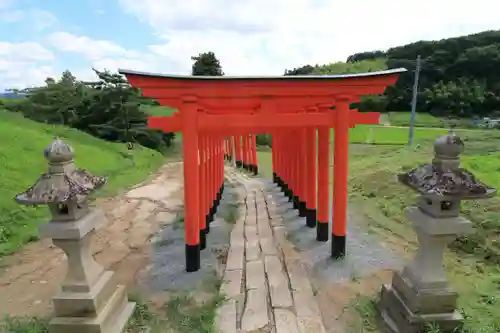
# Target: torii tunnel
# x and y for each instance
(216, 113)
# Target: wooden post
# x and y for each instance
(311, 177)
(191, 183)
(245, 151)
(340, 176)
(296, 168)
(231, 148)
(250, 153)
(302, 152)
(274, 158)
(255, 166)
(323, 184)
(203, 190)
(238, 155)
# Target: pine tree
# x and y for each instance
(206, 64)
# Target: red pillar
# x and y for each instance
(323, 184)
(295, 169)
(255, 165)
(302, 154)
(203, 190)
(245, 151)
(231, 148)
(191, 183)
(340, 176)
(274, 158)
(311, 177)
(238, 151)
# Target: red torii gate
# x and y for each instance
(288, 107)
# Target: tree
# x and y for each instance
(304, 70)
(206, 64)
(108, 108)
(460, 76)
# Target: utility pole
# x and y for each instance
(414, 102)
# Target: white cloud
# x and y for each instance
(265, 37)
(42, 19)
(249, 37)
(91, 49)
(27, 51)
(11, 16)
(24, 64)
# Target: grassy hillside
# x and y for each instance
(22, 163)
(473, 262)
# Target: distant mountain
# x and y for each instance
(7, 95)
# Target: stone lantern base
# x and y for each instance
(104, 309)
(90, 301)
(419, 295)
(406, 309)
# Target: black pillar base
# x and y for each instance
(311, 218)
(275, 178)
(295, 202)
(239, 164)
(322, 231)
(203, 239)
(215, 204)
(302, 209)
(207, 223)
(213, 210)
(338, 246)
(255, 170)
(245, 166)
(192, 258)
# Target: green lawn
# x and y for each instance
(389, 135)
(473, 262)
(158, 110)
(426, 120)
(22, 163)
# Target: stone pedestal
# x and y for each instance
(89, 301)
(420, 295)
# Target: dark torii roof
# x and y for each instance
(271, 78)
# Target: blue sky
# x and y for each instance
(42, 38)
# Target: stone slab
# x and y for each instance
(286, 321)
(226, 317)
(255, 316)
(255, 278)
(232, 283)
(305, 305)
(235, 258)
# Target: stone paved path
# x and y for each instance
(265, 284)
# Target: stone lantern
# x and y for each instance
(420, 295)
(89, 299)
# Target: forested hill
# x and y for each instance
(460, 76)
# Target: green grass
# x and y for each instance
(426, 120)
(389, 135)
(473, 262)
(22, 163)
(159, 110)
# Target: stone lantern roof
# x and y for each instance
(444, 177)
(63, 181)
